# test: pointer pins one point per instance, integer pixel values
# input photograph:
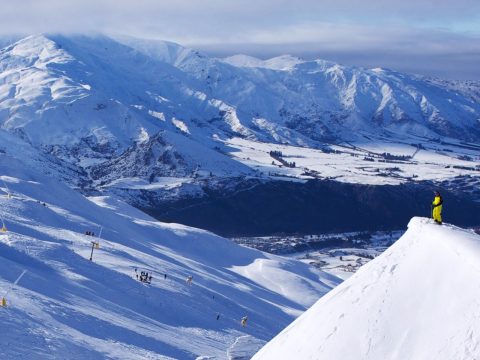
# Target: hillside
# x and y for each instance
(161, 125)
(151, 109)
(66, 306)
(418, 300)
(165, 128)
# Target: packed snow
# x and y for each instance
(66, 306)
(418, 300)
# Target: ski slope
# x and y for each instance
(418, 300)
(66, 306)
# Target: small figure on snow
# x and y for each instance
(189, 280)
(437, 208)
(244, 321)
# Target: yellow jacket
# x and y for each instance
(437, 209)
(437, 201)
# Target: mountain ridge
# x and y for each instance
(398, 306)
(151, 110)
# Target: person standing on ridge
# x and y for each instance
(437, 208)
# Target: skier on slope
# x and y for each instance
(244, 321)
(437, 208)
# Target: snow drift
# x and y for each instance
(66, 306)
(418, 300)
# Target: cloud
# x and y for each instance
(442, 27)
(224, 18)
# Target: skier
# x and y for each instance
(437, 208)
(244, 321)
(189, 280)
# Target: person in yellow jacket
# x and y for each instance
(437, 208)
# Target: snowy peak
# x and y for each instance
(87, 100)
(166, 51)
(280, 63)
(38, 48)
(241, 60)
(283, 62)
(398, 306)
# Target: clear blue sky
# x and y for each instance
(434, 37)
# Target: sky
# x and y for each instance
(431, 37)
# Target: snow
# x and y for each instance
(66, 306)
(418, 300)
(244, 348)
(242, 60)
(165, 110)
(281, 63)
(348, 163)
(127, 116)
(140, 184)
(180, 125)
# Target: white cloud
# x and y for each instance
(435, 26)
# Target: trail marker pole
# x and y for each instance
(93, 246)
(9, 195)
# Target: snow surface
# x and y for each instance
(131, 108)
(347, 162)
(67, 307)
(418, 300)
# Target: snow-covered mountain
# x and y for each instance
(129, 117)
(151, 108)
(66, 306)
(418, 300)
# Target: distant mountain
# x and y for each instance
(150, 120)
(405, 304)
(91, 100)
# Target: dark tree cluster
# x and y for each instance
(278, 155)
(389, 156)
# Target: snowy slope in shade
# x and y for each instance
(418, 300)
(68, 307)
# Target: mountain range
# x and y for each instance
(87, 122)
(152, 108)
(155, 122)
